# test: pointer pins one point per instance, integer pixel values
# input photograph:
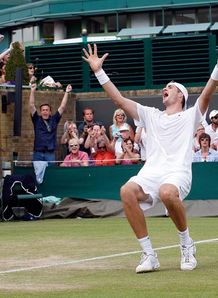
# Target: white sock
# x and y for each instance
(146, 245)
(184, 237)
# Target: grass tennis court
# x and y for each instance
(97, 258)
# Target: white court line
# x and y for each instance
(96, 258)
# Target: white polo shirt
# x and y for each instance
(168, 147)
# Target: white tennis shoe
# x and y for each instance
(188, 260)
(148, 263)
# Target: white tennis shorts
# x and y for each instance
(151, 183)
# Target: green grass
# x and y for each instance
(52, 242)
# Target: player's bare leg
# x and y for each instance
(131, 195)
(170, 197)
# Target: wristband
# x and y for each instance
(214, 74)
(102, 77)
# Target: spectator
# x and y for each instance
(45, 126)
(212, 129)
(103, 156)
(31, 72)
(128, 156)
(4, 57)
(119, 120)
(88, 122)
(141, 139)
(76, 158)
(49, 82)
(70, 132)
(124, 134)
(95, 134)
(196, 144)
(205, 153)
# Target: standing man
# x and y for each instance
(45, 126)
(88, 120)
(87, 123)
(167, 174)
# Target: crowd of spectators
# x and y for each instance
(91, 144)
(122, 146)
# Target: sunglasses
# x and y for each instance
(204, 139)
(215, 117)
(120, 115)
(102, 147)
(73, 145)
(30, 67)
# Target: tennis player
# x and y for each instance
(166, 175)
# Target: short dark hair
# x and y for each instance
(44, 104)
(85, 109)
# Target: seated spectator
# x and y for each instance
(205, 153)
(49, 82)
(31, 72)
(103, 156)
(212, 129)
(70, 132)
(119, 120)
(95, 134)
(128, 156)
(76, 158)
(124, 134)
(141, 139)
(196, 145)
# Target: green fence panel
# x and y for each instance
(185, 59)
(105, 182)
(62, 62)
(132, 64)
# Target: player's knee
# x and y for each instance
(124, 191)
(127, 193)
(167, 193)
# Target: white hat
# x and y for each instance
(47, 81)
(1, 37)
(182, 89)
(124, 127)
(213, 113)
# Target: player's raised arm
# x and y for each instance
(210, 88)
(96, 63)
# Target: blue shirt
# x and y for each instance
(212, 156)
(45, 132)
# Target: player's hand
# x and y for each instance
(91, 57)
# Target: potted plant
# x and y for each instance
(16, 60)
